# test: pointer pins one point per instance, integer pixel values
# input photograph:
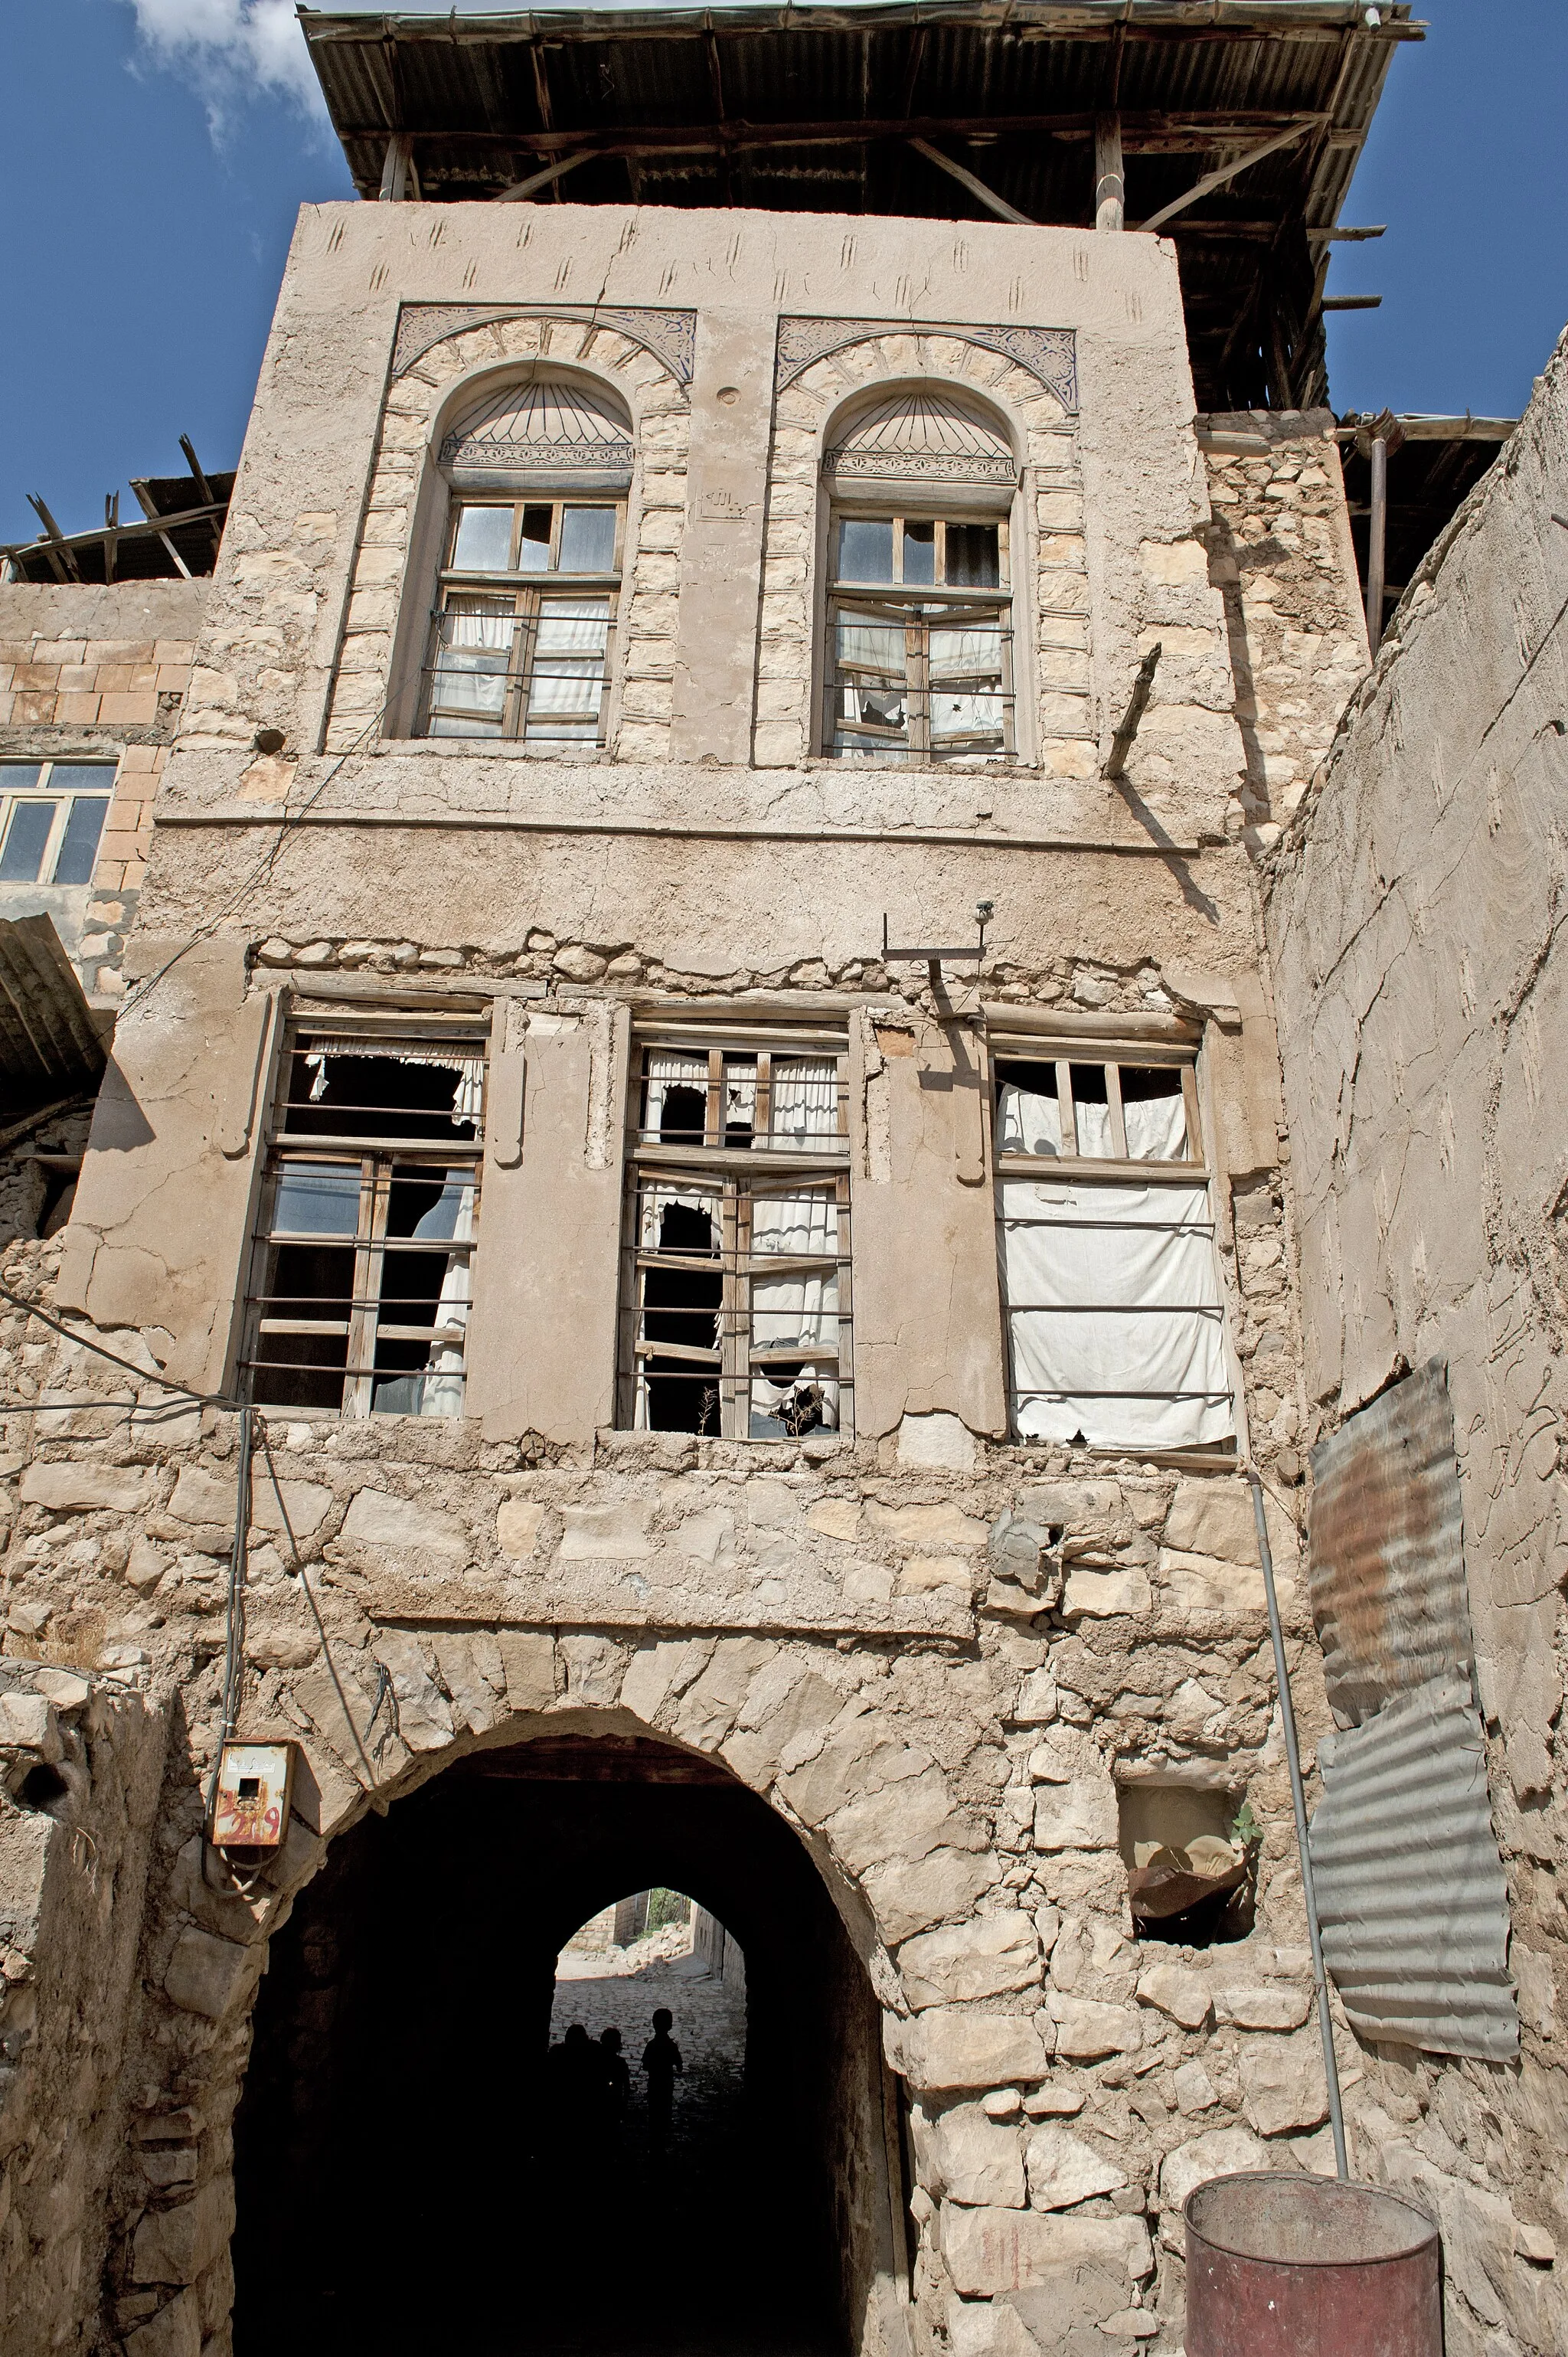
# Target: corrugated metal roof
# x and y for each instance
(1385, 1559)
(49, 1042)
(814, 108)
(1411, 1895)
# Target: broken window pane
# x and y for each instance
(734, 1326)
(973, 561)
(1091, 1110)
(920, 552)
(375, 1324)
(681, 1305)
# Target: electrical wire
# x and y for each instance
(164, 1383)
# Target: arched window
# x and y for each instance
(530, 561)
(920, 612)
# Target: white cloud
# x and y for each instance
(231, 48)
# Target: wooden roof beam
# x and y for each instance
(976, 187)
(1217, 179)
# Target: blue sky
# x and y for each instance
(155, 181)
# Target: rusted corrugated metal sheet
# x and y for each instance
(1410, 1887)
(1386, 1561)
(1411, 1894)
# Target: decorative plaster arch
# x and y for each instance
(383, 638)
(825, 382)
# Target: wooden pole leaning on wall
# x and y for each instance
(1110, 184)
(1376, 441)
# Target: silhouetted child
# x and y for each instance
(661, 2061)
(617, 2078)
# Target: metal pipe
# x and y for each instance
(234, 1632)
(1298, 1801)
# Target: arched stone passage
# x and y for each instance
(396, 2169)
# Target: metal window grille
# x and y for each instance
(51, 820)
(524, 619)
(919, 656)
(369, 1214)
(736, 1314)
(1107, 1124)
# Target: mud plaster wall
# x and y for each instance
(1413, 914)
(97, 675)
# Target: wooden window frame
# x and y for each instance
(66, 798)
(529, 592)
(737, 1177)
(1194, 1170)
(380, 1160)
(921, 607)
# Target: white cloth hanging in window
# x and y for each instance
(1115, 1314)
(805, 1100)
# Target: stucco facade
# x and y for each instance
(965, 1664)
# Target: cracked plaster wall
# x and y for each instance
(1414, 911)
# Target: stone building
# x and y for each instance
(692, 1203)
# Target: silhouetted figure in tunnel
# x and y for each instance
(616, 2078)
(575, 2090)
(661, 2061)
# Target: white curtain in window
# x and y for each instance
(796, 1309)
(805, 1100)
(441, 1388)
(1156, 1129)
(1114, 1308)
(1028, 1122)
(569, 658)
(799, 1306)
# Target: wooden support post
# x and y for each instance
(1117, 759)
(400, 181)
(1380, 438)
(1110, 185)
(1377, 544)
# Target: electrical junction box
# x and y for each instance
(255, 1783)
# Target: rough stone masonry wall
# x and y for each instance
(97, 675)
(951, 1754)
(1414, 914)
(80, 1762)
(1281, 556)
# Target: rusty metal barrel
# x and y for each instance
(1281, 2266)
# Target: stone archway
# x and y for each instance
(395, 2167)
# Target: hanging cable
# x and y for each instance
(164, 1383)
(298, 1563)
